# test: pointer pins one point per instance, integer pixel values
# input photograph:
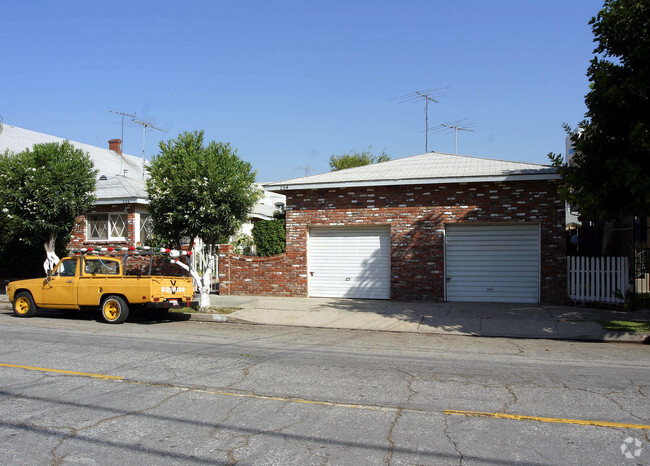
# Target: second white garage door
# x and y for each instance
(492, 263)
(349, 262)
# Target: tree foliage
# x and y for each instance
(199, 191)
(43, 190)
(356, 159)
(269, 236)
(609, 176)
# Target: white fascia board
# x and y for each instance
(260, 216)
(462, 179)
(121, 200)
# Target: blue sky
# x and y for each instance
(290, 83)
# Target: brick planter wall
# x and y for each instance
(265, 276)
(416, 216)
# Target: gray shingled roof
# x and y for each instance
(429, 168)
(116, 187)
(112, 185)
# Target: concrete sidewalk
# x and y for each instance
(478, 319)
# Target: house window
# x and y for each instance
(146, 228)
(107, 227)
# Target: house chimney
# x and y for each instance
(116, 145)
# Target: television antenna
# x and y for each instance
(131, 115)
(145, 125)
(307, 170)
(428, 95)
(455, 127)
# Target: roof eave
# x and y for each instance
(279, 187)
(121, 200)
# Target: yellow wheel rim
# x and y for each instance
(22, 305)
(111, 309)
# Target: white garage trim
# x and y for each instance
(349, 262)
(492, 263)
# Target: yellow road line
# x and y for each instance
(300, 400)
(60, 371)
(518, 417)
(515, 417)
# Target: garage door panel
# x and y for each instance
(349, 262)
(493, 263)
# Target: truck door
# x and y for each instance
(59, 290)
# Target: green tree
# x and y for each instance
(199, 191)
(609, 176)
(43, 190)
(356, 159)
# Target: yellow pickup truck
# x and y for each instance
(98, 282)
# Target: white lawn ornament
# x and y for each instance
(51, 259)
(50, 262)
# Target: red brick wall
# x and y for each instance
(266, 276)
(416, 216)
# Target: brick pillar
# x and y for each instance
(225, 253)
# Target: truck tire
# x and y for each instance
(24, 305)
(114, 309)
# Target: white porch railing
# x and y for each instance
(597, 279)
(201, 256)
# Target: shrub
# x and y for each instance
(269, 236)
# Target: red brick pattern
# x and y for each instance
(266, 276)
(417, 216)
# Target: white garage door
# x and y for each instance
(492, 263)
(349, 262)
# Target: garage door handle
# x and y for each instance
(447, 278)
(311, 273)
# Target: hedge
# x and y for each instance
(269, 236)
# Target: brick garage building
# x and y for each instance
(428, 227)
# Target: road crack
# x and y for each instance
(75, 431)
(453, 442)
(398, 415)
(507, 405)
(607, 396)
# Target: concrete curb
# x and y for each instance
(605, 336)
(628, 337)
(197, 317)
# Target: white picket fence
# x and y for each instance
(597, 279)
(201, 256)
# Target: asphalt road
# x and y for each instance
(83, 392)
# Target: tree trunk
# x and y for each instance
(51, 258)
(203, 283)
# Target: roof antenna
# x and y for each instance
(123, 115)
(454, 126)
(426, 95)
(307, 170)
(145, 125)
